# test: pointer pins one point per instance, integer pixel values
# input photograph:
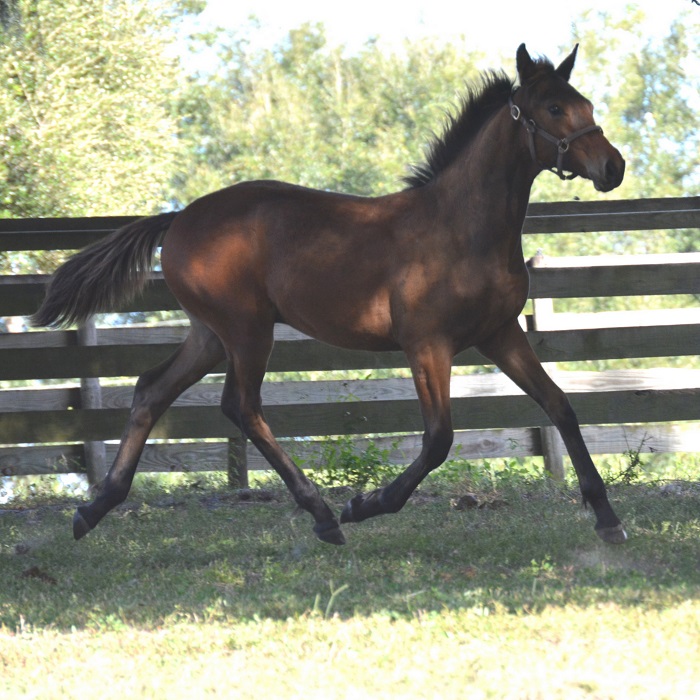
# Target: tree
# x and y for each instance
(84, 88)
(305, 112)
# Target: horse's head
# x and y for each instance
(559, 127)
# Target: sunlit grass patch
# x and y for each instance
(189, 591)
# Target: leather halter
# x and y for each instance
(561, 144)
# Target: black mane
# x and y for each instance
(477, 105)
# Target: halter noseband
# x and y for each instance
(561, 144)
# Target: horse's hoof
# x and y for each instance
(80, 525)
(612, 535)
(329, 532)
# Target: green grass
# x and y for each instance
(188, 591)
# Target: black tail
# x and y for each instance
(103, 275)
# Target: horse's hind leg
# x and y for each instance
(511, 351)
(242, 404)
(155, 391)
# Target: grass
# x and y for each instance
(188, 591)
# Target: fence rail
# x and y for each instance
(620, 409)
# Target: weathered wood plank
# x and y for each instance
(357, 408)
(66, 224)
(57, 233)
(545, 217)
(612, 221)
(290, 393)
(360, 417)
(21, 295)
(310, 355)
(614, 280)
(615, 343)
(469, 444)
(608, 206)
(133, 334)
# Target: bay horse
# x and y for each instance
(432, 269)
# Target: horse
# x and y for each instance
(431, 269)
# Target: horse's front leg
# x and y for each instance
(431, 366)
(510, 350)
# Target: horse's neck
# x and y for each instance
(488, 187)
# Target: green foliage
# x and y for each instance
(86, 129)
(98, 117)
(305, 112)
(342, 464)
(84, 112)
(488, 474)
(632, 471)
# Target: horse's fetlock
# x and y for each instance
(308, 499)
(594, 492)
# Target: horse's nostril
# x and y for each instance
(615, 170)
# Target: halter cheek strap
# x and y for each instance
(561, 144)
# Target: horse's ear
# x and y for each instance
(567, 65)
(525, 64)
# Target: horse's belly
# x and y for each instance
(354, 324)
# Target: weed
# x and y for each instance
(541, 568)
(335, 592)
(634, 468)
(343, 464)
(487, 474)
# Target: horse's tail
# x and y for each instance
(103, 275)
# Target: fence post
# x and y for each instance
(552, 445)
(91, 397)
(237, 462)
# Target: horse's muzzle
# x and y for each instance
(610, 175)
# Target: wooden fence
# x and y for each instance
(62, 427)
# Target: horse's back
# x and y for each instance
(320, 261)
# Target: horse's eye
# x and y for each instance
(555, 110)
